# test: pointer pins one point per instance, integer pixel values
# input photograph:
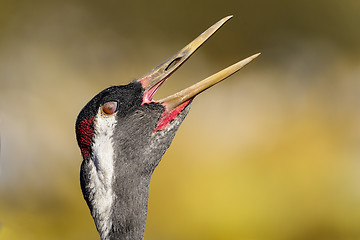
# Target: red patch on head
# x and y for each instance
(84, 133)
(166, 116)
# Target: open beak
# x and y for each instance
(153, 80)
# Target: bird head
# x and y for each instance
(123, 132)
(118, 122)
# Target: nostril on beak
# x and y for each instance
(173, 63)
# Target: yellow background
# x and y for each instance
(271, 153)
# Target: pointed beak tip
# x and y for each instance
(250, 59)
(257, 54)
(224, 20)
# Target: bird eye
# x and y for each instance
(109, 108)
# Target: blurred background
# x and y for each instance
(270, 153)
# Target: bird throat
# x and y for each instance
(166, 117)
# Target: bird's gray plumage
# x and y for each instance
(137, 152)
(140, 151)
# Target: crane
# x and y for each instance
(123, 133)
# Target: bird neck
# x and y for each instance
(130, 207)
(118, 206)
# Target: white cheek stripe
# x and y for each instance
(102, 172)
